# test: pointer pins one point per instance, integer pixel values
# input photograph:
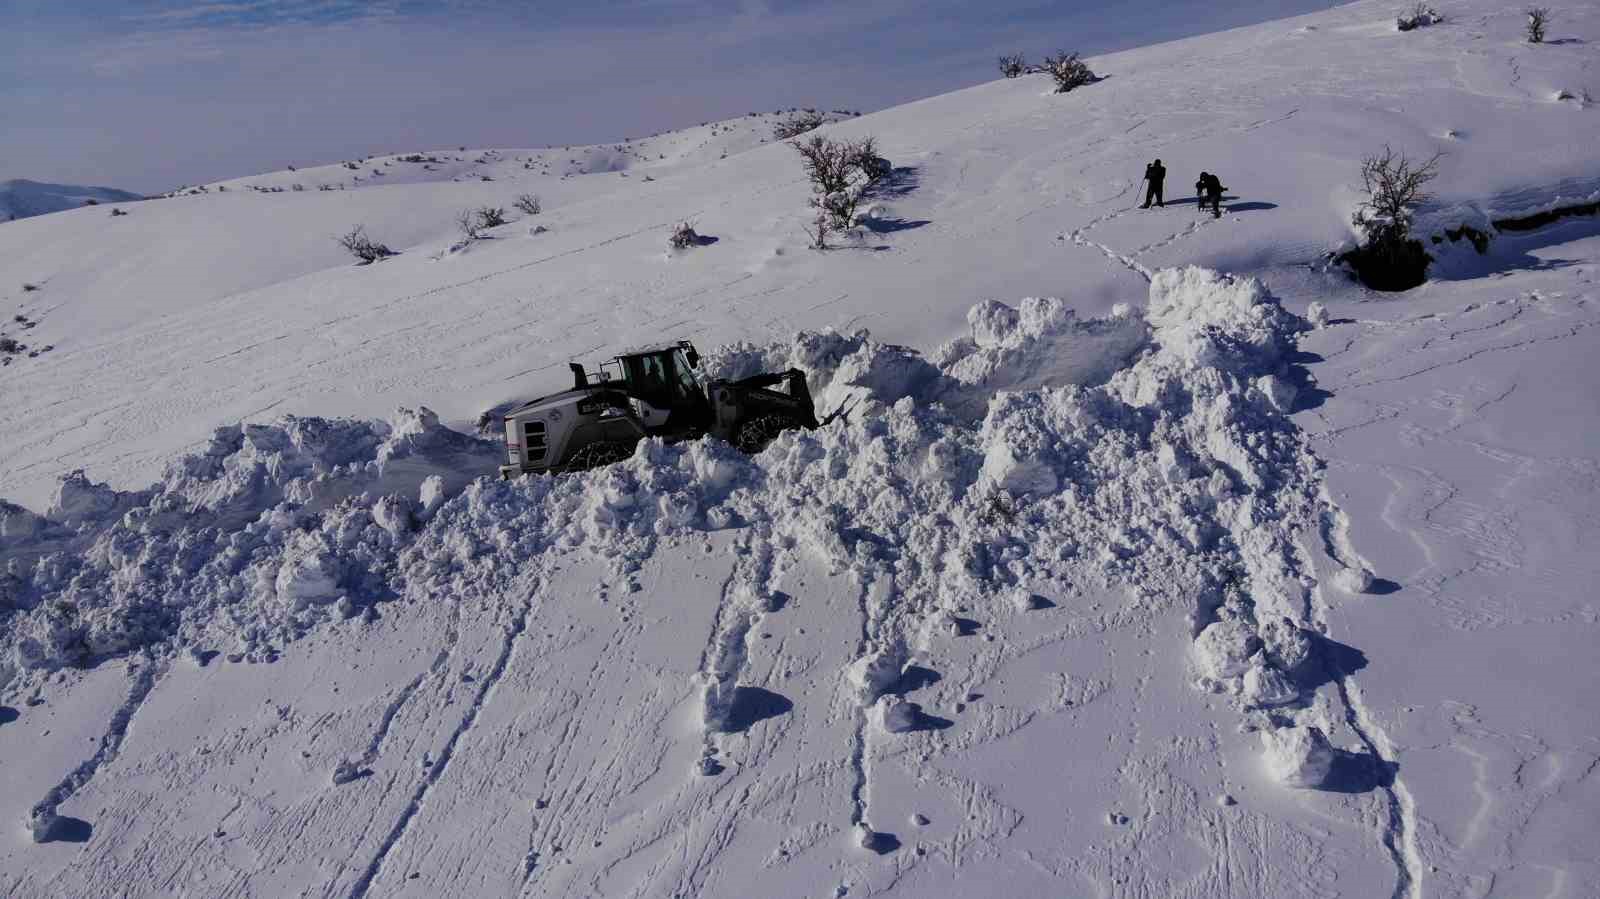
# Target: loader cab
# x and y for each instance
(668, 395)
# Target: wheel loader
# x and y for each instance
(653, 391)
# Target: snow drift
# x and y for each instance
(1176, 476)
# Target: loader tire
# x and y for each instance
(754, 435)
(599, 455)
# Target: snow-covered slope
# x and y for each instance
(20, 198)
(1179, 585)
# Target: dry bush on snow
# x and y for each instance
(1538, 18)
(492, 216)
(357, 244)
(1013, 65)
(840, 173)
(1068, 71)
(1389, 258)
(798, 123)
(467, 222)
(683, 236)
(528, 203)
(1421, 15)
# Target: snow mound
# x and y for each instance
(1151, 459)
(246, 543)
(1298, 757)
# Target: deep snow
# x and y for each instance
(1159, 588)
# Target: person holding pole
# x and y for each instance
(1156, 174)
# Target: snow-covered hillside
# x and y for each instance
(1217, 576)
(20, 198)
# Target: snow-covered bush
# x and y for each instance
(1420, 16)
(1538, 18)
(1389, 258)
(1013, 65)
(798, 123)
(1068, 71)
(683, 237)
(364, 248)
(528, 204)
(840, 173)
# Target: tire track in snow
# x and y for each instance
(42, 817)
(1400, 829)
(393, 709)
(437, 769)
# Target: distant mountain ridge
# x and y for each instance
(21, 198)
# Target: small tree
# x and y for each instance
(1389, 259)
(528, 203)
(1538, 18)
(1013, 65)
(1068, 71)
(467, 221)
(357, 244)
(840, 173)
(798, 123)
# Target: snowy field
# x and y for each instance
(1217, 576)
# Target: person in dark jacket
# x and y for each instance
(1156, 174)
(1209, 190)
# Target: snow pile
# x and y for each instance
(247, 543)
(1297, 756)
(1177, 478)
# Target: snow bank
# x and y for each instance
(1151, 453)
(246, 543)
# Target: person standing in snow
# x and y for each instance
(1156, 174)
(1209, 189)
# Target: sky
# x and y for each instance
(152, 94)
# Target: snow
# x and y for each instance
(1170, 498)
(1297, 756)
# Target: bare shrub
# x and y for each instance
(1068, 71)
(29, 288)
(467, 222)
(1389, 258)
(9, 346)
(365, 249)
(1013, 65)
(863, 155)
(117, 212)
(492, 216)
(1538, 18)
(528, 204)
(1420, 15)
(798, 123)
(818, 230)
(840, 173)
(683, 237)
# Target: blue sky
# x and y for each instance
(148, 95)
